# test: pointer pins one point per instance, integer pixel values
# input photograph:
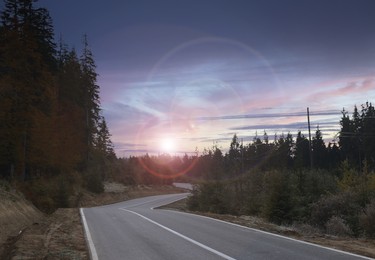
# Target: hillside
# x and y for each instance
(16, 214)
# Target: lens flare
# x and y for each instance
(167, 145)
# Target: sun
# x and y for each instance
(167, 145)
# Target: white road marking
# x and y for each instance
(156, 199)
(170, 202)
(182, 236)
(276, 235)
(92, 250)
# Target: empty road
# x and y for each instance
(134, 230)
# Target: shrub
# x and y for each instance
(253, 192)
(94, 182)
(210, 196)
(193, 200)
(62, 194)
(4, 185)
(343, 205)
(277, 206)
(336, 226)
(367, 219)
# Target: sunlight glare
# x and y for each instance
(167, 145)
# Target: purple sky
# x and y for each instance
(196, 72)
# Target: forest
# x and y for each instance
(52, 131)
(54, 142)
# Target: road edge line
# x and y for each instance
(92, 251)
(276, 235)
(170, 202)
(182, 236)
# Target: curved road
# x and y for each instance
(134, 230)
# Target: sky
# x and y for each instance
(180, 76)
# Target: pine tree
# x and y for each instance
(49, 101)
(333, 155)
(91, 95)
(234, 156)
(282, 156)
(27, 85)
(301, 153)
(355, 139)
(319, 150)
(346, 137)
(71, 127)
(103, 141)
(368, 134)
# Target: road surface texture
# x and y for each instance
(135, 230)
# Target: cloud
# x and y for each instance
(291, 126)
(355, 87)
(273, 115)
(123, 145)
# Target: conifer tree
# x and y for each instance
(234, 156)
(346, 137)
(367, 135)
(71, 111)
(103, 141)
(27, 85)
(319, 150)
(91, 95)
(301, 153)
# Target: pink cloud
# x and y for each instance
(353, 87)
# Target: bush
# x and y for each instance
(62, 196)
(193, 200)
(94, 182)
(367, 219)
(253, 192)
(343, 205)
(4, 185)
(336, 226)
(277, 206)
(211, 197)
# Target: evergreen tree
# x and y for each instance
(27, 90)
(301, 153)
(234, 156)
(319, 150)
(282, 157)
(91, 95)
(103, 141)
(356, 137)
(367, 135)
(333, 156)
(71, 127)
(346, 137)
(49, 101)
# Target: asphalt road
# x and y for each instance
(134, 230)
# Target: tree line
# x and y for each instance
(50, 116)
(354, 147)
(276, 180)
